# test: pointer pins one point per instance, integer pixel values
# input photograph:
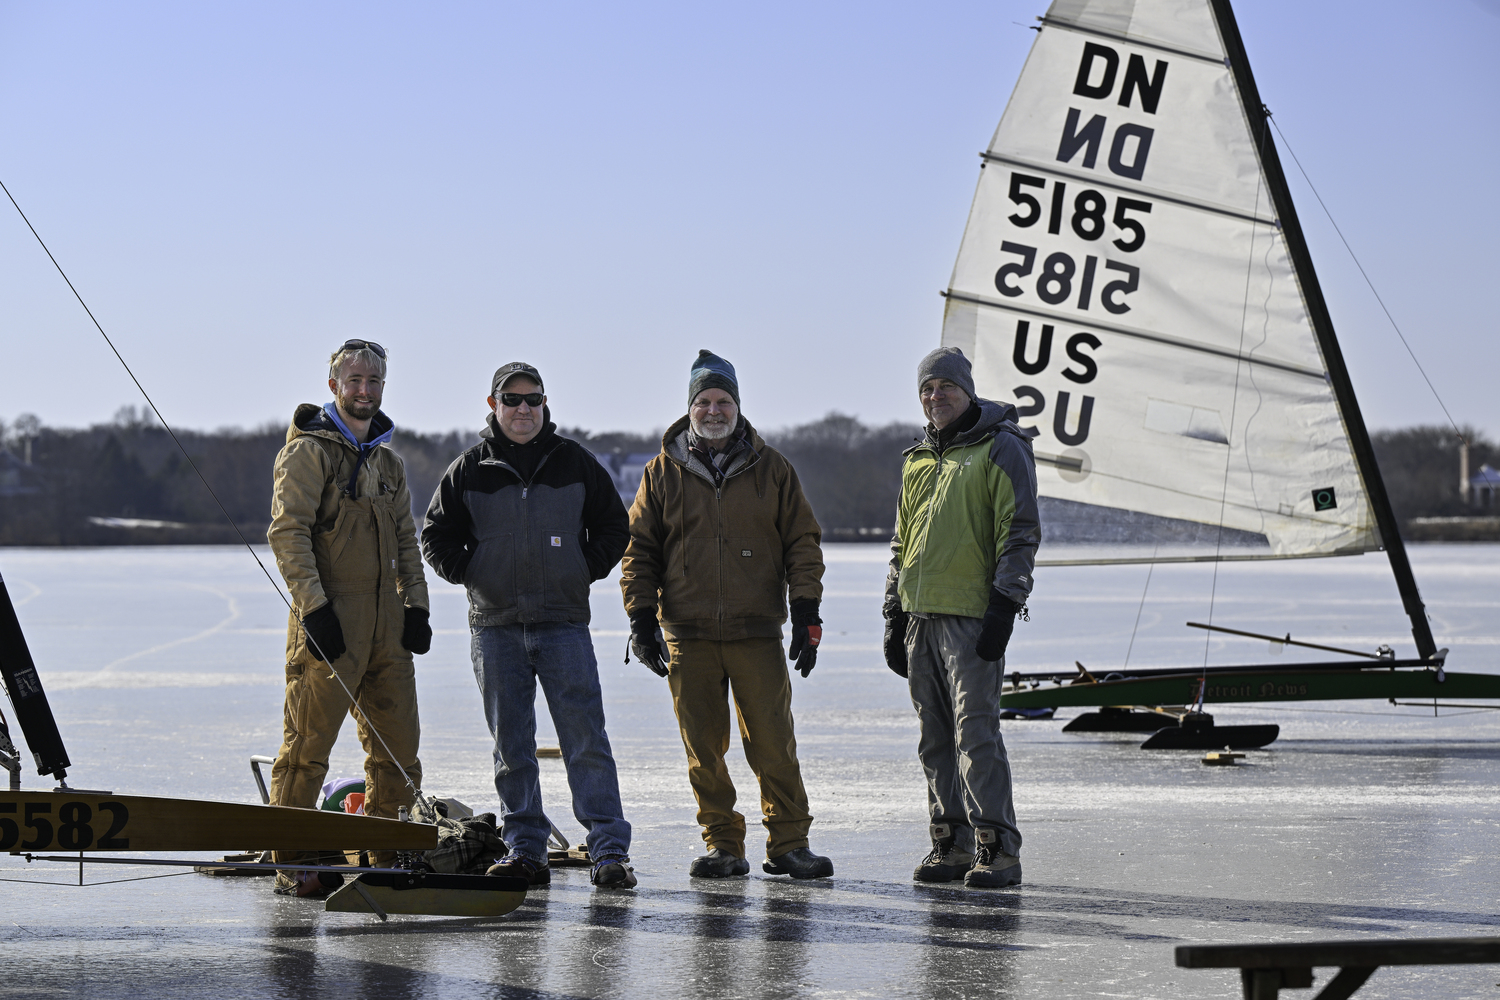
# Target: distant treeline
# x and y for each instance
(125, 482)
(96, 486)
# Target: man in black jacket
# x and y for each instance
(526, 520)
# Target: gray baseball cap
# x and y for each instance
(505, 373)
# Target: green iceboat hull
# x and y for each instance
(1315, 682)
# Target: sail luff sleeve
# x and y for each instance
(1322, 324)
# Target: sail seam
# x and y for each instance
(1126, 331)
(1144, 192)
(1052, 22)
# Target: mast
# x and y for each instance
(26, 695)
(1322, 324)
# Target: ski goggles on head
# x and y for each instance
(360, 345)
(532, 399)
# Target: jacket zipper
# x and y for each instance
(719, 513)
(526, 511)
(927, 525)
(719, 510)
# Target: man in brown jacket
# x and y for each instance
(720, 537)
(345, 542)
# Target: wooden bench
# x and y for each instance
(1268, 968)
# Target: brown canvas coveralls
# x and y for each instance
(358, 549)
(719, 563)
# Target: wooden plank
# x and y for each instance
(68, 820)
(1369, 953)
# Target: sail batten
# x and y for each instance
(1120, 37)
(1125, 280)
(1147, 192)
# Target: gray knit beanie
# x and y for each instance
(710, 371)
(948, 363)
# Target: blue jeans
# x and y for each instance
(508, 662)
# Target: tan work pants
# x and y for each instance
(703, 673)
(378, 669)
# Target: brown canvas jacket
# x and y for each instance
(721, 562)
(327, 541)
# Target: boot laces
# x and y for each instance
(985, 855)
(940, 851)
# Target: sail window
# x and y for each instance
(1188, 421)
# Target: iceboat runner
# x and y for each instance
(1133, 274)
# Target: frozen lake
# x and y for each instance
(163, 667)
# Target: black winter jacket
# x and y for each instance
(525, 551)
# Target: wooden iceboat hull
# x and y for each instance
(68, 820)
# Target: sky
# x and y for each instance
(603, 189)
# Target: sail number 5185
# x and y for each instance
(1089, 211)
(1055, 283)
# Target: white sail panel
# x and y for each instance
(1123, 279)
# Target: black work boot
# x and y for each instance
(799, 862)
(613, 873)
(719, 863)
(946, 862)
(993, 868)
(536, 873)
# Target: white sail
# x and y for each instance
(1124, 280)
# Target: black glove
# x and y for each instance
(416, 634)
(895, 641)
(646, 641)
(999, 622)
(325, 634)
(807, 632)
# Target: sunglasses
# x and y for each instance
(515, 398)
(359, 345)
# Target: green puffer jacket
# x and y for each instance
(720, 561)
(967, 520)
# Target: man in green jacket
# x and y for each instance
(961, 569)
(720, 537)
(346, 544)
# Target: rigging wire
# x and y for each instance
(1234, 402)
(1150, 568)
(1394, 325)
(85, 885)
(201, 478)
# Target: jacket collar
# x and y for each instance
(993, 419)
(323, 421)
(381, 427)
(674, 444)
(496, 437)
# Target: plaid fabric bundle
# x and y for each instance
(466, 846)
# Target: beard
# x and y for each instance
(711, 428)
(360, 410)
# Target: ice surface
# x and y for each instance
(163, 667)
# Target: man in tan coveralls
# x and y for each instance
(344, 540)
(720, 537)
